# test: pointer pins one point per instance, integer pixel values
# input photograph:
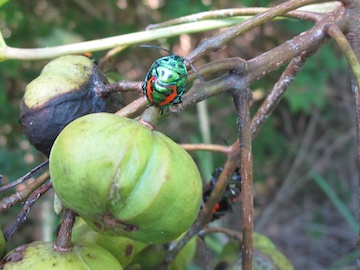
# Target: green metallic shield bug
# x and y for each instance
(165, 81)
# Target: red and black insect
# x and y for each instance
(231, 192)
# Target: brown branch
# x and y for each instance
(218, 41)
(224, 65)
(242, 104)
(273, 99)
(24, 212)
(63, 240)
(27, 176)
(133, 107)
(256, 68)
(22, 195)
(201, 91)
(122, 86)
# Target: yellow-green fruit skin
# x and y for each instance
(152, 256)
(2, 246)
(124, 179)
(121, 248)
(42, 255)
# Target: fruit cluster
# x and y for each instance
(125, 181)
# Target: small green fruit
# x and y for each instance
(124, 179)
(152, 256)
(265, 256)
(2, 245)
(121, 248)
(67, 88)
(43, 256)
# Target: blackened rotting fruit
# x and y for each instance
(67, 88)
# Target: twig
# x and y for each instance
(63, 240)
(207, 147)
(224, 65)
(22, 195)
(242, 101)
(26, 176)
(7, 52)
(347, 50)
(231, 233)
(24, 212)
(122, 86)
(277, 92)
(233, 12)
(150, 117)
(133, 107)
(216, 42)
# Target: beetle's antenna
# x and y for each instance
(194, 69)
(156, 47)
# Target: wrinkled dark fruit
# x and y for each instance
(67, 88)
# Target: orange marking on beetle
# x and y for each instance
(216, 207)
(170, 98)
(149, 89)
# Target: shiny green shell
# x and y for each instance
(165, 82)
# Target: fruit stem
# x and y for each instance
(63, 240)
(150, 116)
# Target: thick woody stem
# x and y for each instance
(63, 240)
(242, 101)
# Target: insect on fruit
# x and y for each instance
(232, 191)
(166, 79)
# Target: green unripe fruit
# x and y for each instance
(265, 255)
(124, 179)
(152, 256)
(121, 248)
(67, 88)
(43, 256)
(2, 245)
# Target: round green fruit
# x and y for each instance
(124, 179)
(67, 88)
(121, 248)
(43, 255)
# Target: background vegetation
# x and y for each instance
(305, 167)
